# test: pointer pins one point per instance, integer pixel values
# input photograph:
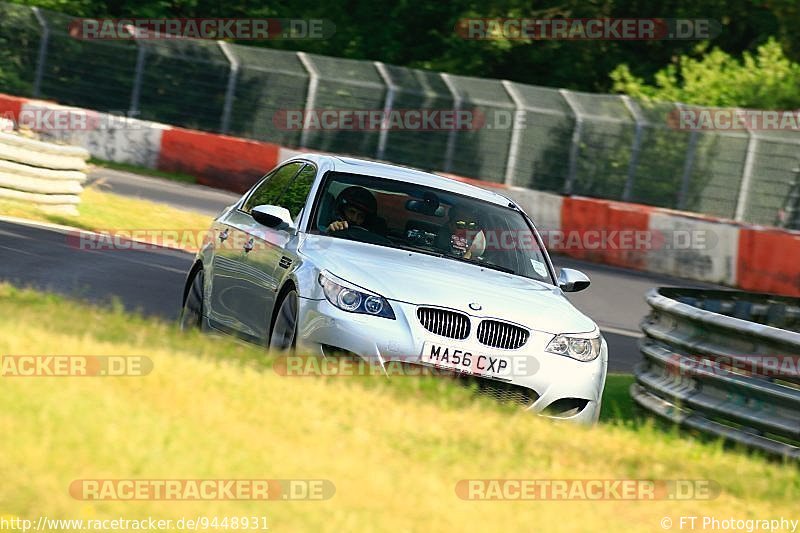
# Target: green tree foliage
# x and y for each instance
(18, 47)
(421, 33)
(766, 79)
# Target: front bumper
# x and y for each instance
(552, 378)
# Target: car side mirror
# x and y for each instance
(273, 216)
(571, 280)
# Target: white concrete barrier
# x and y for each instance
(106, 136)
(694, 248)
(543, 207)
(42, 173)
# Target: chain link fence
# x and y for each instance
(604, 146)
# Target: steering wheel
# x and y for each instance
(362, 234)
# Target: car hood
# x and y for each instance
(422, 279)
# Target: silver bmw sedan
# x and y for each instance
(328, 256)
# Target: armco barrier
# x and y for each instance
(726, 363)
(733, 254)
(42, 173)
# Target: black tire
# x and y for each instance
(283, 333)
(192, 311)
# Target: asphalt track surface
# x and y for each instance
(150, 281)
(177, 194)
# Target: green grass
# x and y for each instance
(125, 167)
(617, 403)
(395, 449)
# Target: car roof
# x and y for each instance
(365, 167)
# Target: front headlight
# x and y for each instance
(580, 346)
(352, 299)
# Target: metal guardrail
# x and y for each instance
(726, 363)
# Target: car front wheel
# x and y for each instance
(284, 327)
(192, 311)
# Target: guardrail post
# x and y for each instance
(42, 57)
(516, 132)
(388, 103)
(574, 150)
(791, 212)
(230, 90)
(688, 166)
(451, 137)
(747, 175)
(636, 147)
(311, 97)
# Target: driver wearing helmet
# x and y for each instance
(355, 206)
(463, 235)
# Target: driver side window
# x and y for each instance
(296, 194)
(272, 187)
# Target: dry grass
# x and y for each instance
(212, 408)
(107, 211)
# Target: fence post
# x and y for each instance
(516, 132)
(688, 166)
(789, 214)
(137, 77)
(574, 150)
(747, 175)
(451, 137)
(636, 147)
(388, 103)
(311, 97)
(230, 90)
(40, 61)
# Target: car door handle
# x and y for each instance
(223, 235)
(248, 245)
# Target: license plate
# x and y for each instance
(465, 360)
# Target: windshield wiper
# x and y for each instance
(491, 266)
(417, 250)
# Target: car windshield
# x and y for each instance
(430, 221)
